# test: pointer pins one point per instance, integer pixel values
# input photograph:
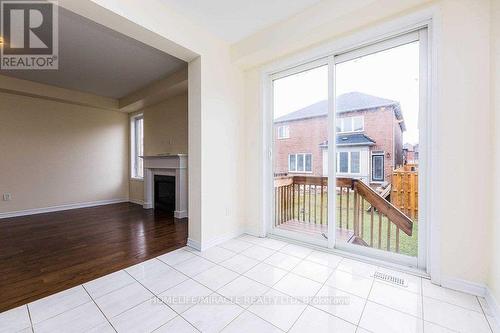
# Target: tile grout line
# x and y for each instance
(366, 303)
(108, 320)
(484, 314)
(290, 271)
(241, 275)
(56, 315)
(32, 326)
(159, 298)
(269, 288)
(296, 320)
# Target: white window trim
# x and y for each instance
(304, 163)
(349, 167)
(351, 118)
(133, 147)
(286, 130)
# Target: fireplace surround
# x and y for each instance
(174, 165)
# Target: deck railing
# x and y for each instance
(374, 221)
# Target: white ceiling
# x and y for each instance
(233, 20)
(97, 60)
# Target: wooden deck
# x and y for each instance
(315, 229)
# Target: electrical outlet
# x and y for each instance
(228, 212)
(7, 197)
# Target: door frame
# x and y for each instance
(427, 18)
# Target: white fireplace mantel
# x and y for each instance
(167, 165)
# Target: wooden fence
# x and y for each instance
(404, 190)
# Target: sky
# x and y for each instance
(391, 74)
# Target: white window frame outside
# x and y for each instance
(349, 162)
(372, 179)
(136, 147)
(286, 132)
(351, 119)
(303, 163)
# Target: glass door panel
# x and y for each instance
(300, 149)
(377, 142)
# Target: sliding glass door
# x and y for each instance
(346, 150)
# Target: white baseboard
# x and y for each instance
(137, 202)
(468, 287)
(194, 244)
(181, 214)
(214, 241)
(60, 208)
(494, 307)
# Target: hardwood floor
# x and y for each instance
(47, 253)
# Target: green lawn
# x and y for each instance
(407, 244)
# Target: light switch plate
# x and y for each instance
(7, 197)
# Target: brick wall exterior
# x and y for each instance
(306, 135)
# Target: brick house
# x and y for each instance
(410, 153)
(369, 139)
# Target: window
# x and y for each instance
(350, 124)
(343, 162)
(348, 162)
(283, 132)
(137, 146)
(378, 168)
(355, 162)
(300, 163)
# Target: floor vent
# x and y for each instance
(391, 279)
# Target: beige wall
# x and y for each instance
(216, 108)
(54, 153)
(462, 207)
(166, 126)
(165, 131)
(494, 277)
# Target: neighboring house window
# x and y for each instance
(355, 161)
(350, 124)
(300, 163)
(348, 162)
(283, 132)
(344, 162)
(137, 145)
(378, 168)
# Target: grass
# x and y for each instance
(408, 245)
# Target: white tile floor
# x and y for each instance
(252, 284)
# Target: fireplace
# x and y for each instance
(164, 196)
(165, 178)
